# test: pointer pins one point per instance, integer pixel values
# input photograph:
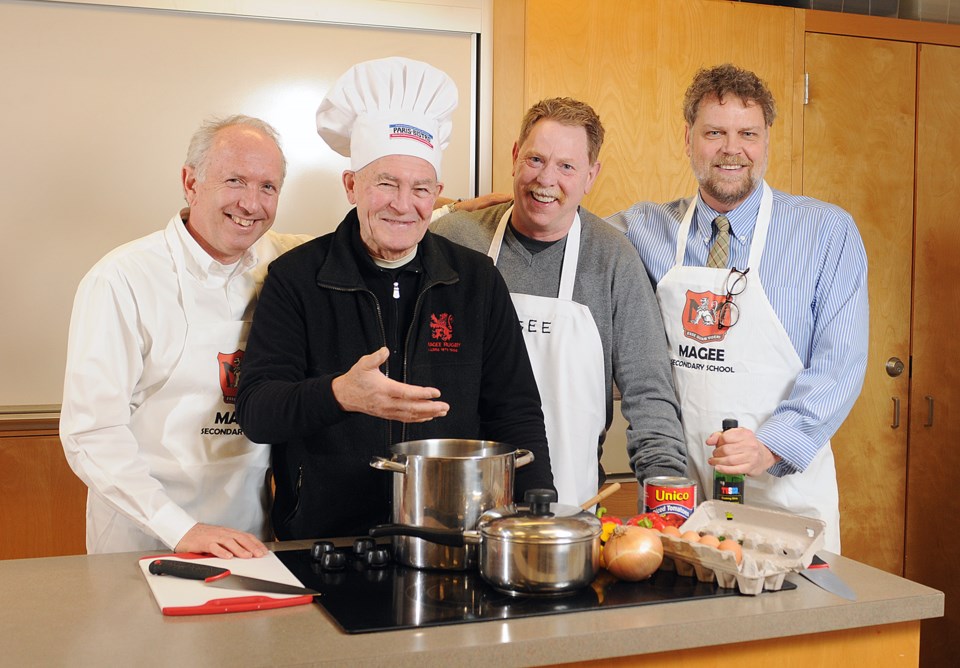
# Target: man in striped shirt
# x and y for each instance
(785, 351)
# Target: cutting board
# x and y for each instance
(178, 596)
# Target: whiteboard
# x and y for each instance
(98, 104)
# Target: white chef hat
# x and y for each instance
(390, 106)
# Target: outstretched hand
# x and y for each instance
(221, 542)
(365, 389)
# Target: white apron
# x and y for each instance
(206, 466)
(742, 372)
(567, 358)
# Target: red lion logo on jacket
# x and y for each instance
(442, 326)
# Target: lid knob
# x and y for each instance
(539, 500)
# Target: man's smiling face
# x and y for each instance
(728, 145)
(233, 195)
(394, 196)
(551, 174)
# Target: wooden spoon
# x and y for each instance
(604, 493)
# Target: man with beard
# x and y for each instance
(588, 318)
(787, 353)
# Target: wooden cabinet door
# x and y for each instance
(632, 61)
(858, 142)
(42, 511)
(933, 502)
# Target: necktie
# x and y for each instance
(720, 250)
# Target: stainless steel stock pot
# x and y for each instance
(447, 484)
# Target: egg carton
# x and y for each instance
(773, 543)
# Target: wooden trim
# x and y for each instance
(22, 410)
(459, 16)
(509, 35)
(33, 426)
(879, 27)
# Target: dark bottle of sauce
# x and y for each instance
(728, 486)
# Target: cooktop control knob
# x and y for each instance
(362, 545)
(320, 548)
(333, 561)
(378, 557)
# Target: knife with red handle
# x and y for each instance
(223, 578)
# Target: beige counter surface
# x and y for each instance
(98, 611)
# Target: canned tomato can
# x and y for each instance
(672, 497)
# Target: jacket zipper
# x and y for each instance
(376, 304)
(406, 342)
(296, 488)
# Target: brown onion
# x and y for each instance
(633, 553)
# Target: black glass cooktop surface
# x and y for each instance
(362, 598)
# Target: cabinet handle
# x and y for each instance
(896, 413)
(929, 422)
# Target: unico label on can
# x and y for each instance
(672, 497)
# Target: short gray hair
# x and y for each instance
(203, 138)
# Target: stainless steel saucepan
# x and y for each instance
(538, 547)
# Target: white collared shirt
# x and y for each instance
(127, 333)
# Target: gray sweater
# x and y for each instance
(612, 283)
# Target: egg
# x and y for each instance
(670, 530)
(691, 536)
(711, 541)
(730, 545)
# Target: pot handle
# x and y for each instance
(451, 537)
(388, 465)
(524, 457)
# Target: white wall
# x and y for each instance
(98, 103)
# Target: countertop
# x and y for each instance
(97, 610)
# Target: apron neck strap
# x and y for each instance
(759, 231)
(571, 252)
(762, 227)
(178, 253)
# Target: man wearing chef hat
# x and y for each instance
(382, 332)
(589, 316)
(156, 341)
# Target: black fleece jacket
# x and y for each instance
(316, 317)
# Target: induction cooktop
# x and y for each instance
(363, 595)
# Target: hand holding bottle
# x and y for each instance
(737, 450)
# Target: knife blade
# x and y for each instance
(223, 578)
(819, 573)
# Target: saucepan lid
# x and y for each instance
(539, 520)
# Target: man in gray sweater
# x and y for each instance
(586, 308)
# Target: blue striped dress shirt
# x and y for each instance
(814, 272)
